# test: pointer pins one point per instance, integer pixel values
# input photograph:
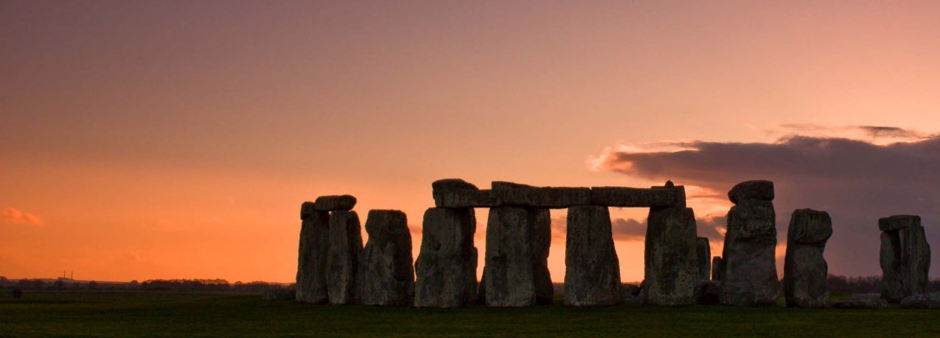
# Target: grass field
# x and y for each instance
(193, 314)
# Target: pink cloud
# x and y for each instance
(16, 216)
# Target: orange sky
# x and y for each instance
(159, 139)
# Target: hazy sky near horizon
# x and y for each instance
(177, 139)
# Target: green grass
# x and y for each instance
(194, 314)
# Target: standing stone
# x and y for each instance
(446, 268)
(510, 256)
(805, 270)
(905, 257)
(386, 276)
(343, 257)
(671, 271)
(703, 256)
(592, 276)
(542, 241)
(749, 276)
(312, 259)
(717, 268)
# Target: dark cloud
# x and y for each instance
(857, 182)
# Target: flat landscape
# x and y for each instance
(227, 314)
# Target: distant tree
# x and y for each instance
(92, 285)
(4, 282)
(134, 284)
(59, 284)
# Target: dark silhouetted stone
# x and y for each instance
(670, 271)
(633, 197)
(757, 190)
(805, 268)
(717, 268)
(457, 193)
(861, 301)
(343, 257)
(307, 209)
(312, 267)
(709, 292)
(592, 276)
(386, 276)
(905, 257)
(922, 301)
(631, 294)
(513, 194)
(749, 271)
(510, 256)
(446, 268)
(335, 203)
(542, 241)
(703, 258)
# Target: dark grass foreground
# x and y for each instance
(194, 314)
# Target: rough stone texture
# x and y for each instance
(335, 203)
(703, 254)
(386, 276)
(670, 255)
(457, 193)
(313, 250)
(717, 268)
(805, 269)
(922, 301)
(861, 301)
(514, 194)
(510, 257)
(542, 241)
(446, 268)
(592, 276)
(749, 272)
(630, 294)
(632, 197)
(905, 257)
(757, 190)
(898, 222)
(343, 257)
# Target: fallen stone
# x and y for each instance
(717, 268)
(749, 272)
(457, 193)
(386, 276)
(514, 194)
(314, 248)
(343, 257)
(278, 294)
(592, 276)
(805, 269)
(898, 222)
(446, 267)
(759, 190)
(703, 254)
(335, 203)
(670, 271)
(922, 301)
(861, 301)
(542, 240)
(632, 197)
(510, 253)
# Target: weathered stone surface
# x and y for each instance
(905, 257)
(861, 301)
(633, 197)
(758, 190)
(313, 250)
(457, 193)
(717, 268)
(703, 256)
(335, 203)
(542, 241)
(446, 268)
(386, 276)
(510, 256)
(306, 209)
(805, 269)
(898, 222)
(343, 257)
(670, 255)
(674, 194)
(630, 294)
(749, 272)
(514, 194)
(592, 276)
(922, 301)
